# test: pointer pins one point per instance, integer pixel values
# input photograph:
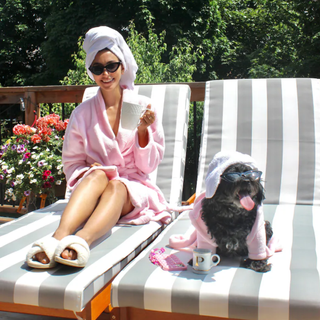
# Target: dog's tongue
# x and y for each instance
(246, 201)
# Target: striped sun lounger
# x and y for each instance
(63, 290)
(277, 121)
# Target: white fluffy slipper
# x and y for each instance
(77, 244)
(46, 245)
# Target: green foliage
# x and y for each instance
(308, 43)
(194, 138)
(22, 30)
(221, 38)
(148, 53)
(78, 74)
(263, 39)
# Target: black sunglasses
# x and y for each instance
(245, 176)
(110, 67)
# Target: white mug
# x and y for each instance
(130, 115)
(204, 260)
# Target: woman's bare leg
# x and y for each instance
(113, 203)
(80, 206)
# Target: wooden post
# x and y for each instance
(31, 105)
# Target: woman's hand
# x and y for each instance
(147, 119)
(95, 164)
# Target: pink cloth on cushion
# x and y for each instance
(89, 138)
(201, 239)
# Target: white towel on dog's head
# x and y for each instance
(99, 38)
(220, 162)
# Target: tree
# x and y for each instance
(263, 38)
(22, 30)
(235, 38)
(196, 22)
(148, 55)
(308, 43)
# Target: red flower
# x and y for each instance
(49, 120)
(52, 119)
(51, 179)
(45, 131)
(35, 138)
(46, 185)
(59, 126)
(20, 129)
(66, 123)
(45, 138)
(47, 172)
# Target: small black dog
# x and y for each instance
(231, 213)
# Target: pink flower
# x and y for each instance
(41, 163)
(27, 155)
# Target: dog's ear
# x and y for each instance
(260, 196)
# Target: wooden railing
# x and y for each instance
(34, 96)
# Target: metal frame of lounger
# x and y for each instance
(32, 291)
(277, 121)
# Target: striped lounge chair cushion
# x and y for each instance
(69, 289)
(290, 291)
(277, 122)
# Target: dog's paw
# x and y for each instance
(256, 265)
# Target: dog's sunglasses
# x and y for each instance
(251, 175)
(110, 67)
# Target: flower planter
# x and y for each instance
(31, 164)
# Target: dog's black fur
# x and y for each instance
(229, 223)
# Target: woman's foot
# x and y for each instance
(66, 251)
(41, 254)
(42, 258)
(72, 251)
(68, 254)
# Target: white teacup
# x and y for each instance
(204, 260)
(130, 115)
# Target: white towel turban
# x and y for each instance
(220, 162)
(99, 38)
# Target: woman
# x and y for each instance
(106, 166)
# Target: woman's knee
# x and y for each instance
(117, 186)
(97, 176)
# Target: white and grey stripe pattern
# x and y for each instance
(70, 289)
(290, 291)
(175, 126)
(276, 121)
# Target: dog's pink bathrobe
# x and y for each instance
(256, 240)
(89, 138)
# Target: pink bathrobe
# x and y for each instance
(89, 138)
